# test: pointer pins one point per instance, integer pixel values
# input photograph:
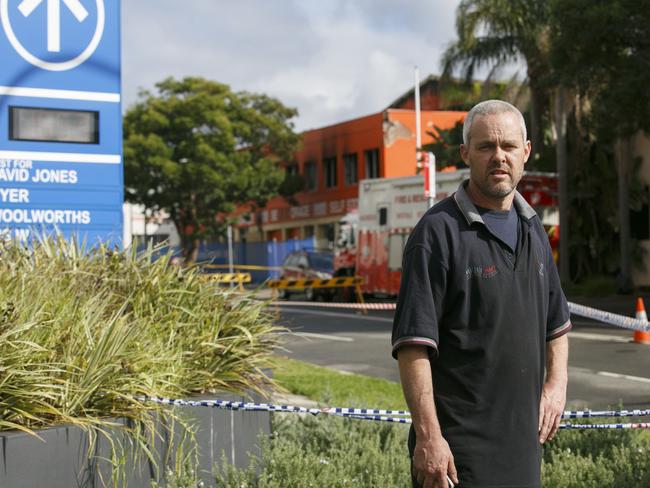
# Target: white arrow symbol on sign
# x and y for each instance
(26, 7)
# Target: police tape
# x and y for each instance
(570, 426)
(586, 414)
(581, 310)
(379, 415)
(609, 318)
(351, 306)
(269, 407)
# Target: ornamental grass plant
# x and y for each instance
(86, 331)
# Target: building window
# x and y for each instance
(311, 179)
(383, 216)
(351, 176)
(291, 169)
(372, 163)
(329, 168)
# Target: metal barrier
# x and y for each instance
(228, 278)
(311, 283)
(316, 283)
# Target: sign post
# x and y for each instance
(60, 119)
(429, 164)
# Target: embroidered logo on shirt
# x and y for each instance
(540, 269)
(481, 271)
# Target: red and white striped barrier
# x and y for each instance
(350, 306)
(630, 323)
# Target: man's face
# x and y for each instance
(496, 154)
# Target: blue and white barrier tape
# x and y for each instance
(570, 426)
(576, 309)
(268, 407)
(394, 416)
(609, 318)
(586, 414)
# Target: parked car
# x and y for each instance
(308, 264)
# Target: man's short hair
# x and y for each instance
(491, 107)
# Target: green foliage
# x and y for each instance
(83, 332)
(314, 452)
(464, 95)
(495, 32)
(318, 451)
(593, 459)
(609, 59)
(446, 146)
(608, 68)
(195, 149)
(185, 477)
(333, 388)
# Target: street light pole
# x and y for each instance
(231, 268)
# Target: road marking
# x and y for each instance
(328, 337)
(598, 337)
(337, 314)
(623, 376)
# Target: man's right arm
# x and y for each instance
(432, 458)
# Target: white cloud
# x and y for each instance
(333, 60)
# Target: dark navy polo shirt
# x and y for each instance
(485, 313)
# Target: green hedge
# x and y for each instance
(333, 452)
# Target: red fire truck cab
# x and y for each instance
(371, 239)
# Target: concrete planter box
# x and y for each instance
(60, 459)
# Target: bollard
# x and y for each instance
(641, 337)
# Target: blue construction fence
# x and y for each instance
(267, 254)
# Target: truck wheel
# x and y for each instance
(283, 294)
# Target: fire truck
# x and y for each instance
(371, 240)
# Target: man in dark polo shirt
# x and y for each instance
(479, 318)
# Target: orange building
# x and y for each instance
(335, 158)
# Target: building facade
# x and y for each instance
(332, 161)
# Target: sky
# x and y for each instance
(333, 60)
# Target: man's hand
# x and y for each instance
(551, 408)
(433, 462)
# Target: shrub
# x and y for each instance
(595, 459)
(85, 331)
(333, 452)
(307, 451)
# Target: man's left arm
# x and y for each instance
(554, 390)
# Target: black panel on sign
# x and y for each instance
(53, 125)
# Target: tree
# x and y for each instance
(196, 149)
(608, 63)
(494, 32)
(446, 146)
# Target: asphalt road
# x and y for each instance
(606, 369)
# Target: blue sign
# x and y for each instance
(60, 119)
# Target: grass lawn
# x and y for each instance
(335, 389)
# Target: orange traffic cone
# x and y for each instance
(641, 337)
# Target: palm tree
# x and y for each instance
(495, 32)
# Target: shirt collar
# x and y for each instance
(471, 214)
